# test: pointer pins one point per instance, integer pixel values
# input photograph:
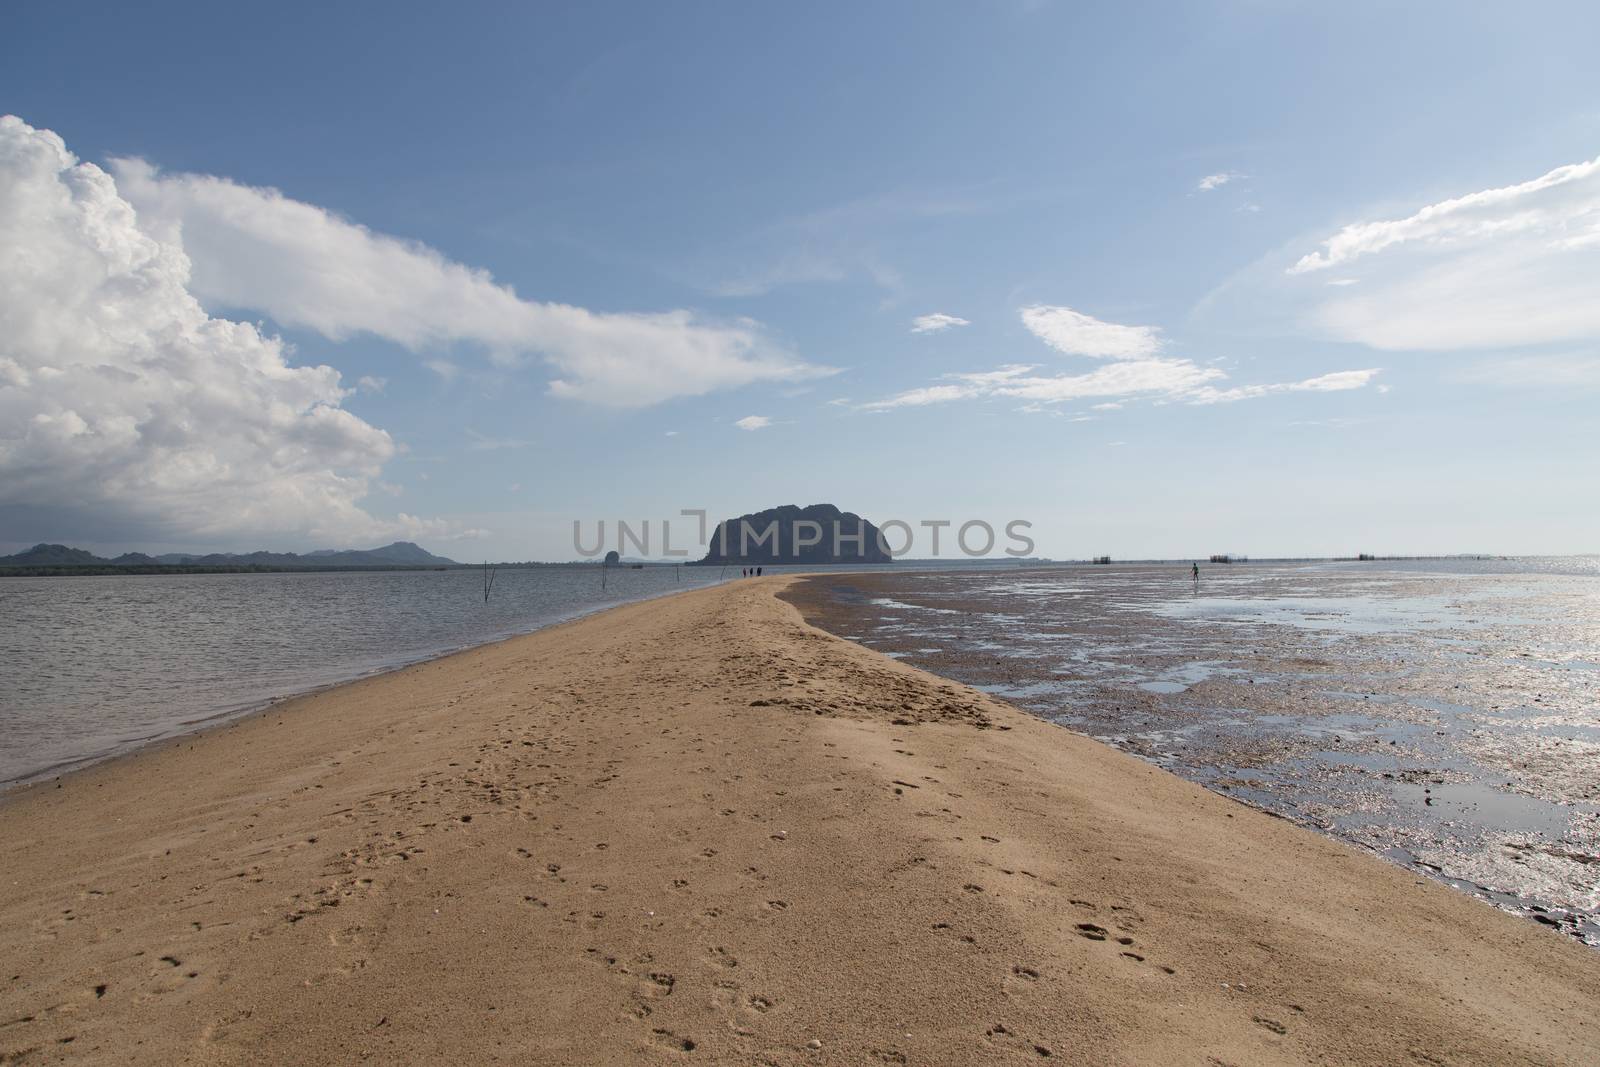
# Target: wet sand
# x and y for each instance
(699, 830)
(1445, 721)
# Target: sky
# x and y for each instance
(1161, 280)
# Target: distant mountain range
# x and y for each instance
(399, 554)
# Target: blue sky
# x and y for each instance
(1273, 278)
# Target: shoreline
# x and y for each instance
(698, 827)
(1190, 695)
(214, 719)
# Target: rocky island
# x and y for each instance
(817, 534)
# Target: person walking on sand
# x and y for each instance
(1196, 568)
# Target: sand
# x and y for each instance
(699, 830)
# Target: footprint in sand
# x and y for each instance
(672, 1041)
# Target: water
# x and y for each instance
(93, 666)
(1443, 713)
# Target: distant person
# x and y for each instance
(758, 572)
(1195, 567)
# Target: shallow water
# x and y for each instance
(93, 666)
(1444, 714)
(96, 665)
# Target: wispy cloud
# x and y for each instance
(753, 422)
(1541, 372)
(446, 370)
(936, 322)
(307, 267)
(1078, 334)
(843, 242)
(1507, 267)
(1563, 206)
(1218, 180)
(1165, 379)
(483, 443)
(1338, 381)
(1135, 369)
(1019, 382)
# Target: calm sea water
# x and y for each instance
(93, 666)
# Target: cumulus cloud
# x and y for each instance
(307, 267)
(753, 422)
(126, 411)
(1078, 334)
(936, 323)
(1505, 267)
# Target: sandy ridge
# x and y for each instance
(698, 830)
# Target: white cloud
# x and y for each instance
(127, 412)
(1078, 334)
(1548, 205)
(1505, 267)
(1158, 377)
(1217, 181)
(1136, 370)
(1173, 380)
(1338, 381)
(369, 383)
(936, 322)
(307, 267)
(753, 422)
(931, 394)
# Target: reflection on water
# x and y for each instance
(1444, 714)
(93, 665)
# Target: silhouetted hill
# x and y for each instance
(781, 535)
(50, 556)
(399, 554)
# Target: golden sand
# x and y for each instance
(698, 830)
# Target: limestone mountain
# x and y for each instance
(820, 533)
